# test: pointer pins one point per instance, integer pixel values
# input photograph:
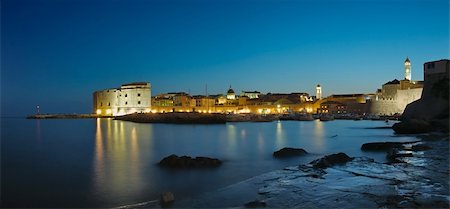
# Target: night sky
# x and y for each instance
(55, 53)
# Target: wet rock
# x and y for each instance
(167, 198)
(173, 161)
(311, 171)
(289, 152)
(383, 146)
(330, 160)
(412, 126)
(255, 204)
(393, 154)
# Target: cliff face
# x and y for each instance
(431, 111)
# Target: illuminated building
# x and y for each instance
(221, 100)
(318, 92)
(407, 69)
(251, 94)
(129, 98)
(396, 94)
(332, 107)
(230, 94)
(343, 103)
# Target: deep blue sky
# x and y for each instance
(55, 53)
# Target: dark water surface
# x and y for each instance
(108, 163)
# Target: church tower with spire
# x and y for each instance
(407, 69)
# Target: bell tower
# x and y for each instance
(407, 69)
(318, 92)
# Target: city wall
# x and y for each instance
(395, 105)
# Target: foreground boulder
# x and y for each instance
(173, 161)
(412, 126)
(289, 152)
(331, 160)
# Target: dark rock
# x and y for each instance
(167, 198)
(412, 126)
(173, 161)
(420, 147)
(383, 146)
(330, 160)
(255, 204)
(289, 152)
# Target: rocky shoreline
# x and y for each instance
(417, 178)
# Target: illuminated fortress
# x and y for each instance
(129, 98)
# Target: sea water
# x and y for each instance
(111, 163)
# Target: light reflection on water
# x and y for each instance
(117, 166)
(319, 136)
(125, 157)
(280, 135)
(109, 163)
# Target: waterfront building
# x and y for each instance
(129, 98)
(221, 100)
(181, 99)
(251, 94)
(343, 103)
(332, 107)
(162, 102)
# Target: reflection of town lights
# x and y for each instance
(99, 111)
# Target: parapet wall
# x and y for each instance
(383, 107)
(396, 105)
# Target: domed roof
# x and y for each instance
(407, 59)
(230, 91)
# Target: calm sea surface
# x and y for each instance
(108, 163)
